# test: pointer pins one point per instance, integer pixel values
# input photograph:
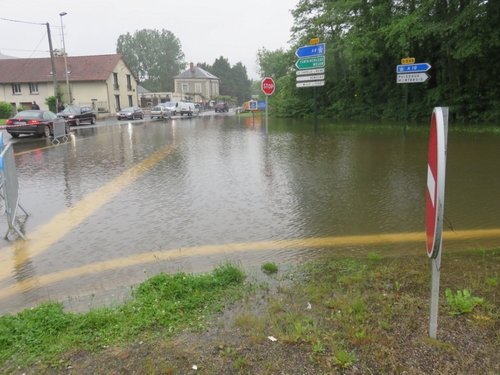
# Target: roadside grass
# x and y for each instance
(249, 114)
(332, 316)
(164, 303)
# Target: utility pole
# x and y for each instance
(54, 75)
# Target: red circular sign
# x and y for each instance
(267, 86)
(436, 170)
(431, 196)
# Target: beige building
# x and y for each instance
(104, 82)
(196, 84)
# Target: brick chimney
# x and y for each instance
(191, 67)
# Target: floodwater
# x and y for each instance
(118, 203)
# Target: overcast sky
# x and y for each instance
(234, 29)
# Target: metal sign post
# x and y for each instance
(311, 65)
(409, 72)
(436, 172)
(267, 86)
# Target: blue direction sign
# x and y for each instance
(313, 50)
(253, 105)
(261, 105)
(413, 68)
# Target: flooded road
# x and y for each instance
(120, 202)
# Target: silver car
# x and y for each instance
(160, 111)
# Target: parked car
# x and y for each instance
(76, 114)
(32, 121)
(160, 111)
(130, 113)
(221, 107)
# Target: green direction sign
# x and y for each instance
(311, 62)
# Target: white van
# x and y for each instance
(173, 107)
(189, 109)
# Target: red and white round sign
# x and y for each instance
(267, 86)
(436, 170)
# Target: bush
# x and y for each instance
(6, 110)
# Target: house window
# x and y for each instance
(129, 83)
(16, 88)
(117, 103)
(185, 87)
(130, 102)
(34, 88)
(197, 87)
(215, 89)
(115, 81)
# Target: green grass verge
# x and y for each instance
(163, 302)
(332, 315)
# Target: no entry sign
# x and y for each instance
(436, 171)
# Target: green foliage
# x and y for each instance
(51, 102)
(343, 358)
(462, 302)
(235, 86)
(163, 301)
(269, 268)
(6, 110)
(274, 64)
(366, 40)
(155, 57)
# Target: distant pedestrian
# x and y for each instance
(60, 107)
(35, 106)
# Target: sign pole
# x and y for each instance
(315, 110)
(435, 277)
(267, 86)
(406, 108)
(267, 117)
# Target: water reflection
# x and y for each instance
(227, 190)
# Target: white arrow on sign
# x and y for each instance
(311, 78)
(310, 71)
(412, 78)
(310, 84)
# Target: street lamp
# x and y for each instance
(65, 61)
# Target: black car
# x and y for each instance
(221, 107)
(76, 114)
(130, 113)
(33, 121)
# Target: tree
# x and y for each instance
(234, 80)
(241, 83)
(274, 64)
(154, 56)
(222, 70)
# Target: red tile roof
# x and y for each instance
(81, 68)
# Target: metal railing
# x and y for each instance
(59, 130)
(10, 189)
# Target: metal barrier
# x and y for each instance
(59, 130)
(10, 188)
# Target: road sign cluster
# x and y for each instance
(311, 64)
(409, 72)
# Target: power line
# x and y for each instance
(32, 23)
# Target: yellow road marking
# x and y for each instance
(156, 256)
(46, 235)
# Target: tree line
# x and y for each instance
(367, 39)
(156, 57)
